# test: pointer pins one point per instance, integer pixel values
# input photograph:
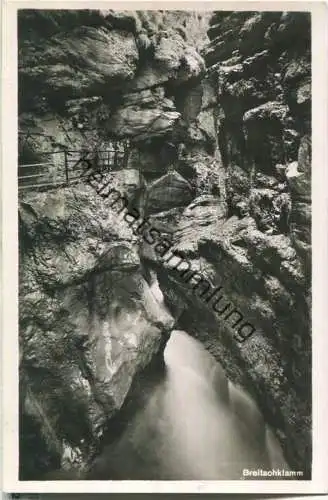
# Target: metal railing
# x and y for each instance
(66, 167)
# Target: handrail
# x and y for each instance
(112, 158)
(30, 176)
(34, 164)
(43, 184)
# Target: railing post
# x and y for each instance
(126, 154)
(115, 154)
(66, 167)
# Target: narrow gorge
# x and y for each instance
(213, 113)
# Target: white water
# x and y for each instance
(194, 425)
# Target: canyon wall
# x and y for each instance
(89, 322)
(219, 124)
(260, 66)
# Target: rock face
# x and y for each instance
(260, 82)
(261, 253)
(89, 322)
(100, 70)
(245, 149)
(170, 191)
(219, 166)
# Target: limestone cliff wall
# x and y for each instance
(245, 158)
(89, 322)
(88, 76)
(260, 66)
(220, 167)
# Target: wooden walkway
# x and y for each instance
(66, 167)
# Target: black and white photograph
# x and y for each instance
(164, 245)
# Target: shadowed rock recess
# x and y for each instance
(217, 109)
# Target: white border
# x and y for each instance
(318, 484)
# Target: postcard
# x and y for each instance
(164, 247)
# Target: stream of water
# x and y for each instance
(195, 425)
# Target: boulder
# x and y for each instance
(169, 191)
(139, 124)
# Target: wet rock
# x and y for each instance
(206, 123)
(256, 62)
(301, 215)
(227, 168)
(297, 69)
(173, 59)
(149, 98)
(303, 94)
(88, 320)
(190, 101)
(267, 111)
(113, 61)
(142, 123)
(155, 158)
(238, 186)
(209, 95)
(291, 143)
(219, 49)
(221, 251)
(220, 22)
(264, 94)
(270, 209)
(299, 183)
(169, 191)
(304, 155)
(172, 52)
(198, 219)
(264, 134)
(166, 222)
(266, 181)
(253, 31)
(292, 26)
(203, 171)
(123, 20)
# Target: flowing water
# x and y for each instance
(195, 425)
